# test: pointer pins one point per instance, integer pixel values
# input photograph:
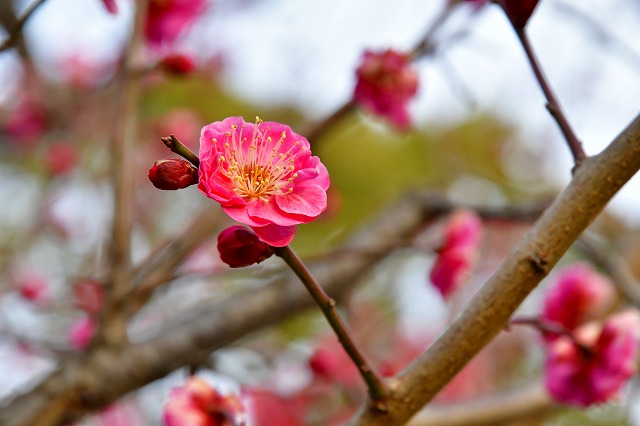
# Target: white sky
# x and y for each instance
(304, 52)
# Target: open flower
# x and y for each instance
(263, 175)
(582, 377)
(580, 294)
(458, 252)
(386, 83)
(198, 404)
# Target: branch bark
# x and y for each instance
(592, 186)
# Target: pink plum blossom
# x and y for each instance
(580, 294)
(197, 404)
(166, 19)
(386, 83)
(82, 332)
(581, 377)
(263, 175)
(458, 251)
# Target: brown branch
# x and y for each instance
(15, 33)
(78, 386)
(181, 149)
(592, 186)
(508, 406)
(114, 326)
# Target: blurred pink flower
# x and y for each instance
(88, 295)
(33, 287)
(267, 408)
(575, 376)
(27, 123)
(239, 246)
(330, 362)
(197, 404)
(458, 252)
(178, 64)
(263, 175)
(82, 332)
(166, 19)
(60, 158)
(111, 6)
(386, 83)
(580, 294)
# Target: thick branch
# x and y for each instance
(79, 386)
(509, 406)
(592, 186)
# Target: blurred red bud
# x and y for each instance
(178, 64)
(239, 246)
(173, 174)
(111, 6)
(519, 11)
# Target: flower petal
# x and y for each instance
(274, 235)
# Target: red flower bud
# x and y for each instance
(519, 11)
(178, 64)
(173, 174)
(239, 246)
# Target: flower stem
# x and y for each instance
(553, 106)
(179, 148)
(375, 383)
(549, 327)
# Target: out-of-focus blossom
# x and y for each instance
(166, 19)
(88, 295)
(33, 287)
(267, 408)
(111, 6)
(82, 71)
(580, 294)
(239, 246)
(173, 174)
(27, 123)
(578, 376)
(263, 175)
(60, 159)
(197, 404)
(477, 4)
(458, 252)
(178, 64)
(519, 11)
(386, 83)
(183, 123)
(330, 362)
(82, 332)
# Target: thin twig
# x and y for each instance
(550, 328)
(552, 102)
(181, 149)
(377, 388)
(16, 31)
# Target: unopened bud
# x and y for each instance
(239, 246)
(173, 174)
(519, 11)
(178, 64)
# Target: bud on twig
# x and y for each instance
(239, 246)
(173, 174)
(519, 11)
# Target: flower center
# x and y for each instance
(258, 170)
